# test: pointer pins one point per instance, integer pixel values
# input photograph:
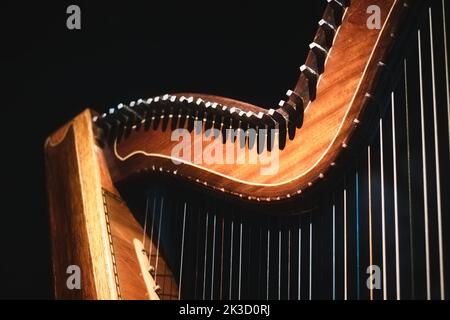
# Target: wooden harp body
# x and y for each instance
(328, 206)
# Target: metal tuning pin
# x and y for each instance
(338, 8)
(227, 122)
(253, 123)
(147, 105)
(116, 125)
(270, 123)
(289, 109)
(158, 111)
(191, 112)
(184, 111)
(311, 76)
(166, 104)
(141, 110)
(234, 120)
(320, 55)
(297, 101)
(126, 119)
(244, 126)
(201, 109)
(281, 119)
(104, 128)
(171, 108)
(217, 115)
(176, 114)
(327, 32)
(209, 115)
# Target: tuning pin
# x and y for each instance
(253, 123)
(234, 121)
(158, 112)
(212, 115)
(269, 123)
(117, 127)
(202, 110)
(176, 116)
(297, 101)
(289, 108)
(320, 55)
(311, 77)
(227, 123)
(338, 7)
(105, 128)
(184, 111)
(328, 31)
(280, 117)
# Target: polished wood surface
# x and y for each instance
(353, 65)
(77, 221)
(125, 229)
(91, 226)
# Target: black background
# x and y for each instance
(126, 50)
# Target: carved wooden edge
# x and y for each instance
(90, 213)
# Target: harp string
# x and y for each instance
(159, 237)
(383, 213)
(289, 266)
(394, 163)
(231, 257)
(334, 251)
(221, 257)
(182, 253)
(205, 256)
(268, 262)
(259, 260)
(345, 244)
(197, 255)
(424, 167)
(279, 264)
(357, 235)
(213, 247)
(145, 222)
(310, 256)
(436, 157)
(151, 230)
(408, 155)
(240, 258)
(299, 297)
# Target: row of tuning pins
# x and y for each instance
(290, 112)
(119, 122)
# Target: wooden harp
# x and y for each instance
(361, 146)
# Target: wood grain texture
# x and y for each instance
(124, 229)
(351, 70)
(77, 220)
(92, 227)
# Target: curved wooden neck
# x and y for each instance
(329, 116)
